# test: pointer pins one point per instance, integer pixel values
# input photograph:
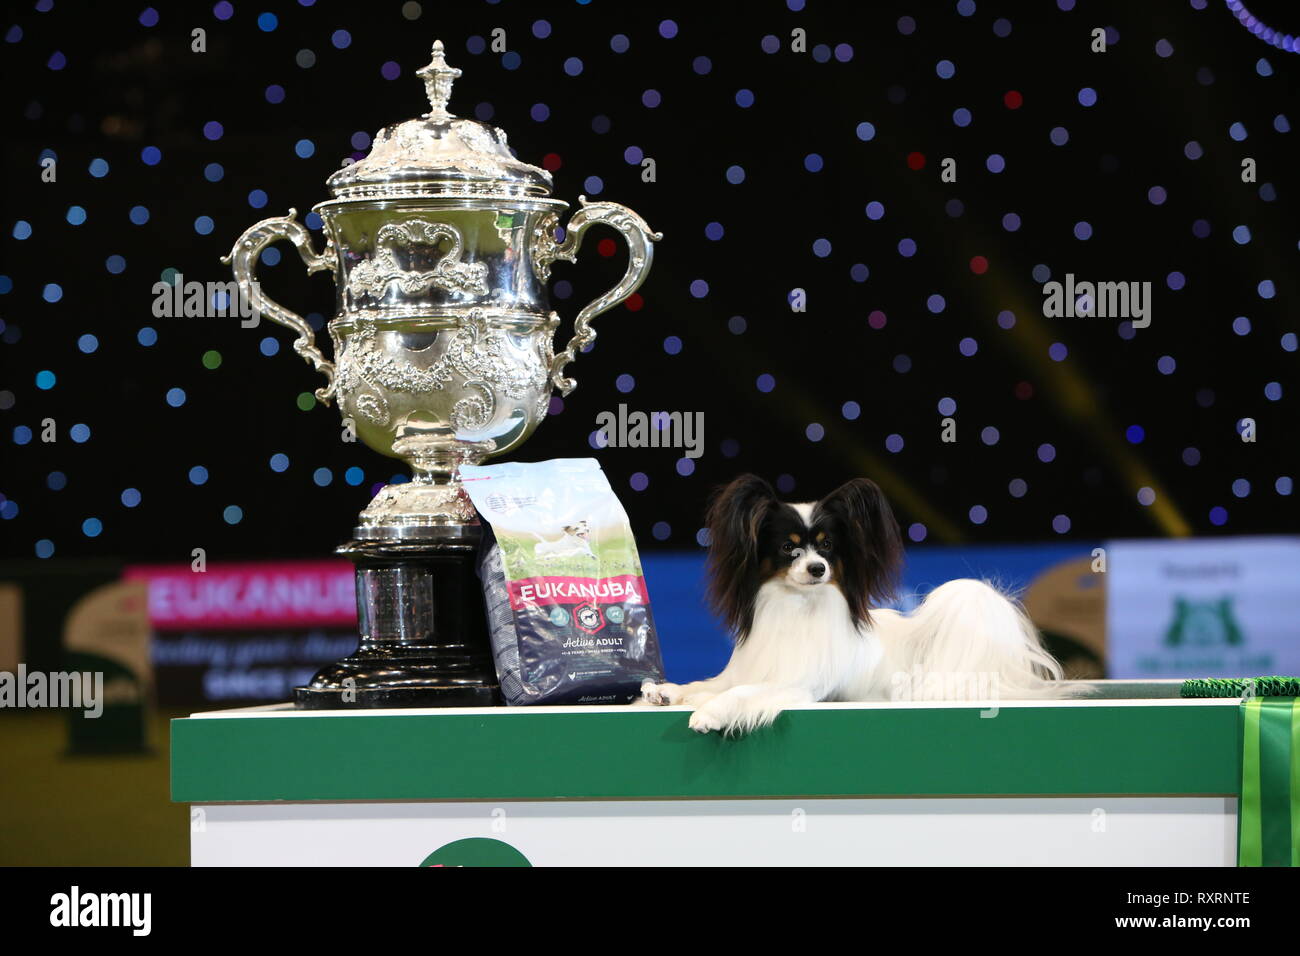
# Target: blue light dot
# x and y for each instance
(961, 117)
(668, 29)
(1007, 319)
(232, 514)
(1218, 516)
(851, 410)
(822, 248)
(1273, 391)
(978, 514)
(269, 256)
(594, 185)
(52, 292)
(1017, 487)
(995, 163)
(894, 443)
(619, 43)
(1175, 280)
(257, 198)
(151, 155)
(1135, 434)
(203, 225)
(88, 343)
(176, 397)
(735, 175)
(662, 530)
(639, 481)
(1241, 235)
(990, 435)
(79, 433)
(92, 527)
(1087, 96)
(22, 229)
(1046, 452)
(98, 168)
(945, 69)
(1157, 195)
(131, 497)
(968, 346)
(916, 532)
(1011, 222)
(714, 231)
(765, 382)
(279, 462)
(1266, 289)
(146, 336)
(22, 434)
(1082, 230)
(744, 98)
(198, 475)
(45, 380)
(322, 476)
(1061, 524)
(935, 303)
(56, 481)
(1166, 365)
(115, 264)
(1237, 132)
(673, 345)
(341, 39)
(304, 148)
(1289, 342)
(813, 163)
(1059, 136)
(699, 289)
(875, 210)
(44, 548)
(906, 248)
(1193, 150)
(573, 66)
(274, 93)
(76, 215)
(625, 383)
(859, 272)
(866, 132)
(947, 406)
(1284, 485)
(139, 215)
(266, 22)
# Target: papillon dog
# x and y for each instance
(575, 541)
(799, 587)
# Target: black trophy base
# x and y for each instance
(424, 639)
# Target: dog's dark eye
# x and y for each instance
(787, 547)
(824, 544)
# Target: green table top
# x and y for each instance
(1064, 748)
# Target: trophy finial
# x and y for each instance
(438, 77)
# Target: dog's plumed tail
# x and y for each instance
(968, 640)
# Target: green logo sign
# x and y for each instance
(1203, 624)
(476, 851)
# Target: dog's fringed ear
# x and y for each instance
(872, 557)
(734, 520)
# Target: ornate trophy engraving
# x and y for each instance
(440, 242)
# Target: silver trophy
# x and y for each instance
(440, 242)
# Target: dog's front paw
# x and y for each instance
(703, 721)
(658, 694)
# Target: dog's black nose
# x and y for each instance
(816, 570)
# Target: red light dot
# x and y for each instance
(915, 160)
(634, 302)
(1024, 391)
(877, 319)
(606, 247)
(979, 265)
(1013, 100)
(551, 162)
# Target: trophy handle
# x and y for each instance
(640, 254)
(242, 260)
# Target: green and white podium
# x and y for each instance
(1103, 781)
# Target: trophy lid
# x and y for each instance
(439, 154)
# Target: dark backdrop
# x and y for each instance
(97, 85)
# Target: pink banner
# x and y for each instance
(622, 588)
(280, 594)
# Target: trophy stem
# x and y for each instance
(423, 631)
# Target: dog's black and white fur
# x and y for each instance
(798, 587)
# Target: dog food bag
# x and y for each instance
(567, 608)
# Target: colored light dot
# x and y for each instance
(304, 148)
(968, 346)
(98, 168)
(198, 475)
(1164, 48)
(995, 163)
(1013, 100)
(735, 175)
(894, 443)
(1266, 289)
(906, 248)
(146, 336)
(1283, 486)
(639, 481)
(765, 382)
(87, 343)
(946, 406)
(1082, 230)
(115, 264)
(79, 433)
(44, 548)
(915, 160)
(1046, 452)
(961, 117)
(851, 410)
(130, 497)
(813, 163)
(1017, 487)
(151, 155)
(1237, 132)
(1059, 136)
(306, 401)
(916, 532)
(815, 432)
(1007, 319)
(875, 210)
(341, 39)
(1146, 496)
(211, 359)
(1135, 434)
(877, 319)
(935, 303)
(1218, 516)
(866, 132)
(989, 435)
(1273, 391)
(978, 514)
(279, 462)
(1087, 96)
(945, 69)
(979, 265)
(736, 325)
(45, 380)
(714, 231)
(22, 434)
(176, 397)
(322, 477)
(1241, 488)
(1061, 524)
(902, 364)
(1002, 27)
(1011, 222)
(625, 383)
(1289, 342)
(52, 292)
(1193, 150)
(1241, 235)
(76, 215)
(92, 527)
(22, 229)
(232, 514)
(859, 272)
(274, 93)
(1166, 365)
